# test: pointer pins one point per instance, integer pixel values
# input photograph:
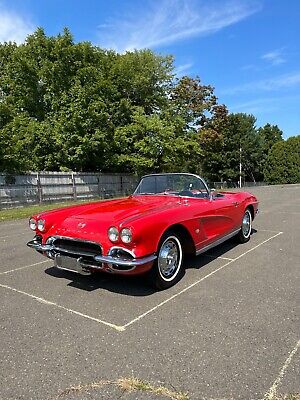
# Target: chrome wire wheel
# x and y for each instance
(247, 224)
(169, 258)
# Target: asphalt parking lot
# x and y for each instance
(229, 329)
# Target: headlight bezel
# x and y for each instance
(113, 234)
(32, 223)
(126, 235)
(41, 225)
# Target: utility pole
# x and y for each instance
(240, 181)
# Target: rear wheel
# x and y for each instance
(168, 267)
(246, 227)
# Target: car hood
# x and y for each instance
(123, 211)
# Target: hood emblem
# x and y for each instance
(81, 225)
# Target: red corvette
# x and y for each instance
(167, 217)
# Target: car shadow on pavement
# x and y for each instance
(136, 285)
(197, 262)
(127, 285)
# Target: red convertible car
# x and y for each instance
(167, 217)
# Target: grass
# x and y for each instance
(27, 211)
(133, 384)
(127, 385)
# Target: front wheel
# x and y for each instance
(246, 227)
(168, 268)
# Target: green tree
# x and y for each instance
(67, 105)
(236, 140)
(283, 162)
(78, 95)
(194, 102)
(269, 135)
(152, 145)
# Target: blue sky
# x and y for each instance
(249, 50)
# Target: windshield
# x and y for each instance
(172, 184)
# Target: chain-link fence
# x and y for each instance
(232, 184)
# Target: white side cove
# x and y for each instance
(217, 242)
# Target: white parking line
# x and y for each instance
(267, 230)
(271, 393)
(16, 234)
(197, 282)
(217, 258)
(288, 212)
(138, 318)
(25, 266)
(51, 303)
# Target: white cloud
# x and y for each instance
(182, 69)
(280, 82)
(13, 27)
(263, 105)
(169, 21)
(257, 106)
(275, 57)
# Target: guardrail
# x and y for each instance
(40, 187)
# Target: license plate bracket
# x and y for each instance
(70, 264)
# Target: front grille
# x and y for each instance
(75, 248)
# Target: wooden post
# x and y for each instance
(121, 181)
(99, 187)
(39, 188)
(74, 186)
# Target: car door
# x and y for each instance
(226, 213)
(218, 217)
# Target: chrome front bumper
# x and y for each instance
(135, 262)
(84, 262)
(38, 246)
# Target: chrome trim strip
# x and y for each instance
(130, 252)
(217, 242)
(126, 263)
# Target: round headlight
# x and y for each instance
(126, 235)
(32, 224)
(41, 225)
(113, 234)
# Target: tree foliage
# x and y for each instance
(283, 162)
(67, 105)
(238, 141)
(75, 106)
